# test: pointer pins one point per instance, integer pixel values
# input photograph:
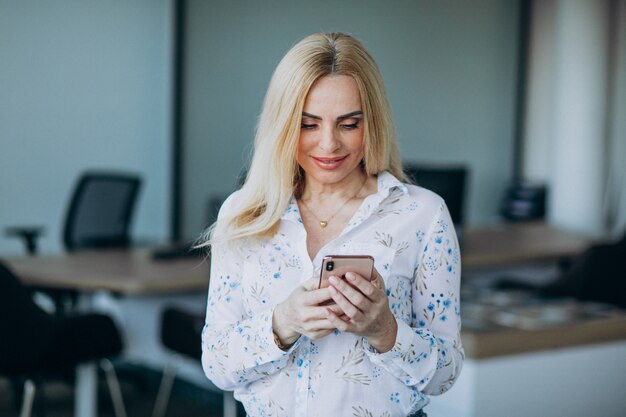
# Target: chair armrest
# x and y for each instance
(29, 234)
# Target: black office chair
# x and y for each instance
(597, 274)
(38, 346)
(99, 214)
(181, 332)
(449, 181)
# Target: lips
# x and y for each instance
(329, 163)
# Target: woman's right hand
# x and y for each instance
(301, 314)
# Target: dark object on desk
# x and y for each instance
(598, 274)
(181, 332)
(99, 214)
(39, 346)
(524, 202)
(448, 181)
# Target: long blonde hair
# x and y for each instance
(274, 175)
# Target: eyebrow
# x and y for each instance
(339, 118)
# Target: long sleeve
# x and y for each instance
(237, 348)
(428, 351)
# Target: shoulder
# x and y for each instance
(229, 205)
(423, 202)
(424, 197)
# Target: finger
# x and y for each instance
(319, 312)
(377, 279)
(348, 308)
(317, 326)
(320, 334)
(342, 324)
(354, 296)
(370, 289)
(315, 297)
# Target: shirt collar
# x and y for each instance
(387, 185)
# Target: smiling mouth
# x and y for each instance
(330, 161)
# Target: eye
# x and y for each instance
(307, 126)
(349, 126)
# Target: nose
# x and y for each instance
(328, 142)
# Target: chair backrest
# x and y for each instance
(101, 210)
(447, 181)
(19, 315)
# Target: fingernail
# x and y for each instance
(333, 279)
(350, 276)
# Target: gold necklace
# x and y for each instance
(324, 223)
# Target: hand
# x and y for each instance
(301, 314)
(366, 309)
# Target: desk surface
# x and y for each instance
(135, 272)
(121, 271)
(502, 342)
(518, 243)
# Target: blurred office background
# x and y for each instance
(171, 90)
(90, 85)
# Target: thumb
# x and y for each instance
(310, 284)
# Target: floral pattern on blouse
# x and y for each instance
(408, 231)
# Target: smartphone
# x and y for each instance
(338, 265)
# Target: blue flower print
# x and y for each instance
(395, 397)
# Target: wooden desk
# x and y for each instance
(128, 272)
(497, 342)
(510, 243)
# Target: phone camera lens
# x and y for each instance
(330, 266)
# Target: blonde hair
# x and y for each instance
(274, 175)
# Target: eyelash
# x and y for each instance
(350, 126)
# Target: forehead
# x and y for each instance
(331, 93)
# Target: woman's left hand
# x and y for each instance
(366, 309)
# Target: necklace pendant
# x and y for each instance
(323, 224)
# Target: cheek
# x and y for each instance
(357, 143)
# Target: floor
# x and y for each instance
(139, 389)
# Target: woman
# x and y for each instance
(326, 179)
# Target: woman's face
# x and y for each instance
(330, 146)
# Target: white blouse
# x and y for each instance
(408, 231)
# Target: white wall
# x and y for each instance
(574, 382)
(83, 84)
(576, 127)
(449, 67)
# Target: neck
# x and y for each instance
(347, 188)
